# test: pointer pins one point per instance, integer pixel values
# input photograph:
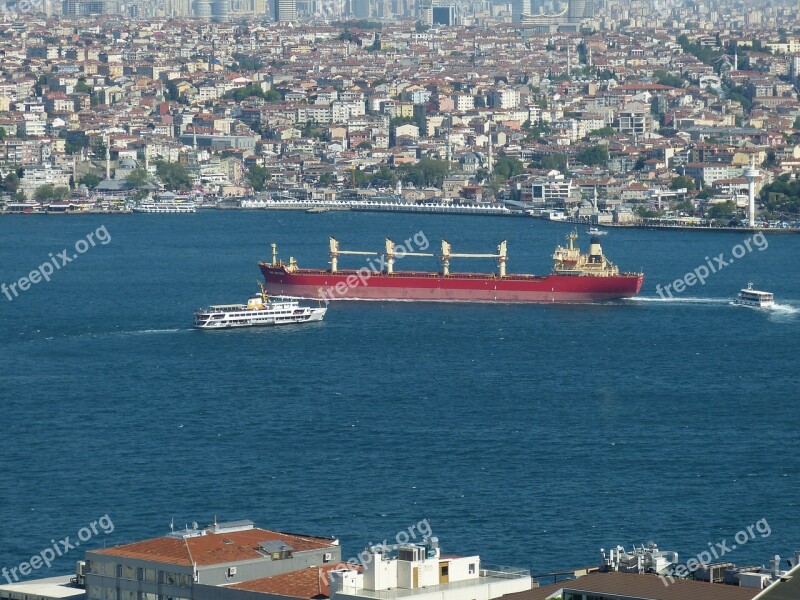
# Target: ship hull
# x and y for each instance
(434, 287)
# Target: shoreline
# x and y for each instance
(457, 212)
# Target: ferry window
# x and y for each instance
(471, 568)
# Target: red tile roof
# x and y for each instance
(213, 548)
(306, 583)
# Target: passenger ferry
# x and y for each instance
(260, 310)
(756, 298)
(596, 231)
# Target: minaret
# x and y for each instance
(735, 60)
(751, 174)
(569, 61)
(489, 158)
(108, 157)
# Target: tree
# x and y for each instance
(669, 79)
(426, 172)
(722, 210)
(364, 146)
(137, 178)
(507, 167)
(682, 182)
(82, 87)
(603, 132)
(596, 155)
(174, 176)
(11, 183)
(797, 123)
(257, 176)
(44, 193)
(326, 180)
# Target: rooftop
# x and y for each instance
(305, 583)
(204, 547)
(633, 586)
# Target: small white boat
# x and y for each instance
(756, 298)
(260, 310)
(596, 231)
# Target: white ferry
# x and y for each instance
(596, 231)
(259, 311)
(751, 297)
(166, 207)
(168, 202)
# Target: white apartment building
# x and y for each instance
(504, 98)
(419, 571)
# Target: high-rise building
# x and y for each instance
(425, 12)
(519, 8)
(580, 9)
(444, 15)
(285, 10)
(361, 9)
(202, 9)
(220, 9)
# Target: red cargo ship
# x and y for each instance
(576, 277)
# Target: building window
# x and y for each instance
(150, 576)
(445, 570)
(128, 572)
(471, 568)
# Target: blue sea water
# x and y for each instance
(532, 435)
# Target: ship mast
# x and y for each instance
(501, 256)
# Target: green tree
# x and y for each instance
(603, 132)
(724, 210)
(365, 146)
(137, 178)
(507, 167)
(595, 155)
(44, 193)
(174, 176)
(90, 180)
(11, 183)
(670, 79)
(682, 182)
(327, 180)
(426, 172)
(797, 123)
(258, 176)
(82, 87)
